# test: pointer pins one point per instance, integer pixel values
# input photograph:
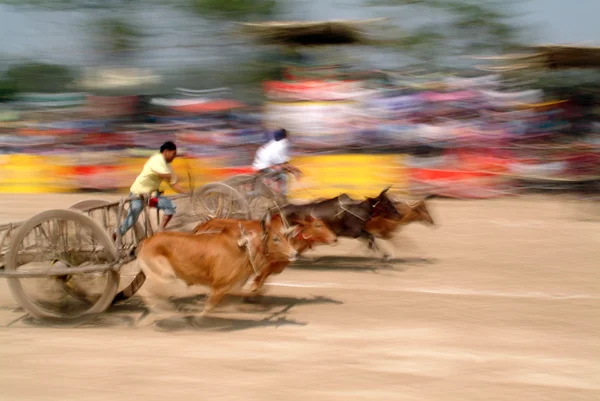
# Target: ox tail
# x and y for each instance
(138, 280)
(136, 249)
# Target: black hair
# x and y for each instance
(280, 134)
(167, 146)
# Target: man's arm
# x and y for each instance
(174, 183)
(163, 176)
(178, 188)
(171, 178)
(290, 168)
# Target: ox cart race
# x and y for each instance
(64, 266)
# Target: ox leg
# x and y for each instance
(375, 247)
(157, 308)
(157, 293)
(259, 281)
(215, 296)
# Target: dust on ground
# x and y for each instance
(500, 302)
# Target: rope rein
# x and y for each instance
(250, 258)
(245, 242)
(347, 211)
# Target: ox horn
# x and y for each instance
(266, 221)
(244, 240)
(289, 230)
(385, 190)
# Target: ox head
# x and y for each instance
(382, 206)
(274, 244)
(414, 212)
(313, 231)
(420, 213)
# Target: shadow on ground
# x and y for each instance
(358, 263)
(271, 311)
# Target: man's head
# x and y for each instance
(280, 134)
(169, 151)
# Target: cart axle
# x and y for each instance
(58, 271)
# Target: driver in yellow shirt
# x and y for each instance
(156, 170)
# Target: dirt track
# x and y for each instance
(501, 302)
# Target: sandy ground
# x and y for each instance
(500, 302)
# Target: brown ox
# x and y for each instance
(381, 227)
(304, 235)
(222, 260)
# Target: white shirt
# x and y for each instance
(272, 153)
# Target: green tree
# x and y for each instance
(8, 89)
(38, 77)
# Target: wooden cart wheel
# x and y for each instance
(132, 278)
(107, 218)
(68, 239)
(239, 179)
(219, 200)
(260, 205)
(261, 198)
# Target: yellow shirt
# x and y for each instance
(148, 181)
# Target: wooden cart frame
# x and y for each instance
(64, 267)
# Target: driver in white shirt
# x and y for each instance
(275, 156)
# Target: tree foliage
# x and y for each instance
(8, 89)
(38, 77)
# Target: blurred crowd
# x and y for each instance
(453, 132)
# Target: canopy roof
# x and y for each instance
(548, 56)
(555, 56)
(317, 33)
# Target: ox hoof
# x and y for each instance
(205, 312)
(387, 258)
(256, 289)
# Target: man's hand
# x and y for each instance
(296, 171)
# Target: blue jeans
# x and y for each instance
(280, 178)
(136, 207)
(284, 179)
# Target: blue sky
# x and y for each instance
(565, 21)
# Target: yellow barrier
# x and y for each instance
(33, 174)
(131, 167)
(199, 169)
(357, 175)
(325, 176)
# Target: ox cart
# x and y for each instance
(63, 266)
